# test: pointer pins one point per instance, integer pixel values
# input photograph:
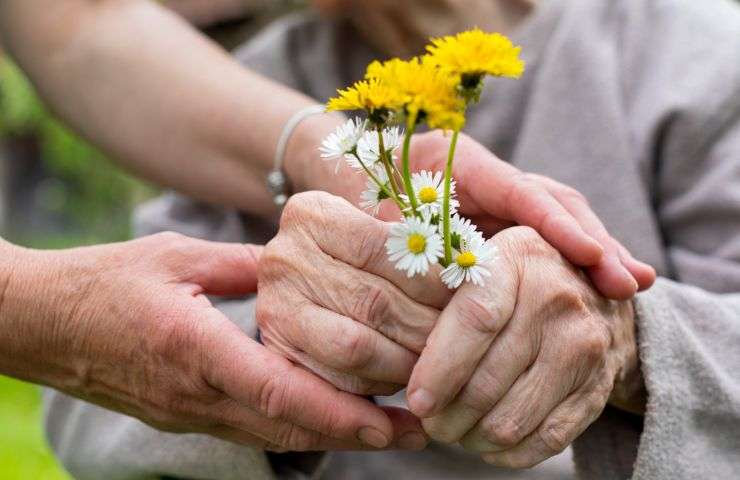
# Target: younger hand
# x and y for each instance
(495, 195)
(128, 326)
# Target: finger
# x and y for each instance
(372, 301)
(509, 356)
(643, 273)
(245, 426)
(619, 282)
(506, 193)
(345, 345)
(224, 268)
(562, 426)
(464, 331)
(522, 408)
(610, 276)
(280, 436)
(346, 382)
(267, 383)
(408, 432)
(327, 218)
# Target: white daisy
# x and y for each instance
(461, 227)
(367, 146)
(414, 244)
(370, 199)
(467, 263)
(429, 190)
(343, 141)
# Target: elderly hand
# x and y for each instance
(330, 300)
(517, 369)
(496, 195)
(128, 326)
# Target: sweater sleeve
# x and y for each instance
(682, 95)
(689, 327)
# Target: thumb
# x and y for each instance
(225, 268)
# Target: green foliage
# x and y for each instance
(20, 109)
(24, 453)
(95, 194)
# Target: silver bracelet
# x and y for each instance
(277, 180)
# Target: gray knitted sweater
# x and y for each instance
(636, 103)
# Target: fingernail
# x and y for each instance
(373, 437)
(421, 403)
(633, 282)
(412, 441)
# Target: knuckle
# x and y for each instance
(483, 395)
(556, 435)
(272, 396)
(354, 348)
(524, 184)
(479, 315)
(276, 257)
(296, 205)
(440, 430)
(370, 304)
(505, 433)
(369, 246)
(566, 301)
(526, 241)
(570, 194)
(593, 345)
(291, 437)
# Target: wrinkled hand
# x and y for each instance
(139, 336)
(519, 368)
(496, 195)
(330, 300)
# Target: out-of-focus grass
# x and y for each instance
(24, 454)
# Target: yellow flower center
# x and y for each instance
(466, 259)
(417, 243)
(428, 195)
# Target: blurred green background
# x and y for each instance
(57, 192)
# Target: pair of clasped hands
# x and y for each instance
(515, 370)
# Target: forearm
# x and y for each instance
(35, 342)
(160, 98)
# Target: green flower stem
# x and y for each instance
(410, 128)
(446, 200)
(389, 169)
(382, 186)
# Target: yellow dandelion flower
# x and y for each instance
(428, 93)
(474, 53)
(370, 95)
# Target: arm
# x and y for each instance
(177, 110)
(128, 327)
(160, 98)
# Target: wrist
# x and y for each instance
(629, 391)
(305, 167)
(37, 333)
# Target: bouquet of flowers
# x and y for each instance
(435, 90)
